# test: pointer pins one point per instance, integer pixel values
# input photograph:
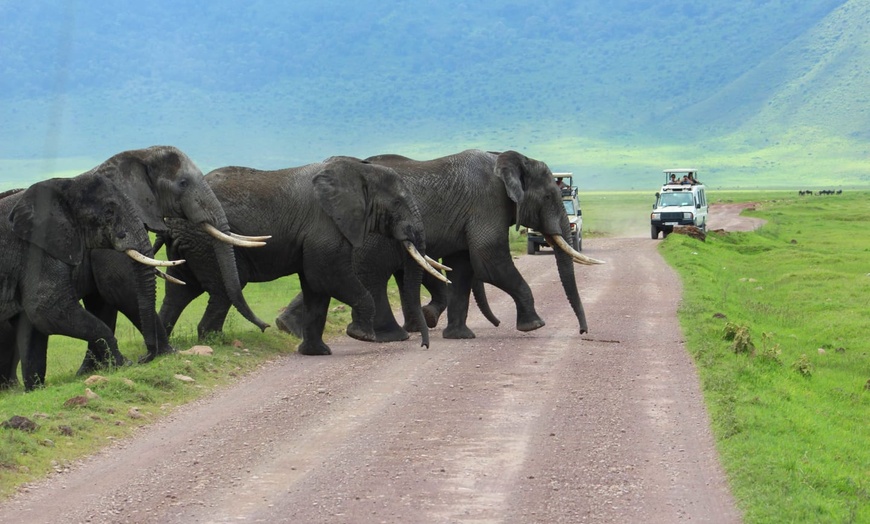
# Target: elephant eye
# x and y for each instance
(183, 183)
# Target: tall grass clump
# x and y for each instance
(777, 321)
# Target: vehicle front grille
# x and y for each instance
(670, 217)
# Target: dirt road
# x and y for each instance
(548, 426)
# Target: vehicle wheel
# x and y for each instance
(531, 247)
(654, 232)
(575, 241)
(580, 242)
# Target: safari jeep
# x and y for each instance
(682, 201)
(575, 217)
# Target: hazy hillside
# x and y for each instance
(615, 87)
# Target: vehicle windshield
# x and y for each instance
(676, 199)
(569, 207)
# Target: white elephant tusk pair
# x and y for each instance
(418, 258)
(233, 239)
(148, 261)
(437, 265)
(577, 256)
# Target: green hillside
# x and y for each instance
(770, 94)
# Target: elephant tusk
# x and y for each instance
(418, 258)
(170, 278)
(148, 261)
(262, 238)
(223, 237)
(437, 265)
(578, 257)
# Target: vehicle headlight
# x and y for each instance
(655, 216)
(688, 216)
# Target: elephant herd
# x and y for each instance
(72, 249)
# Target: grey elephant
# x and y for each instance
(469, 201)
(44, 240)
(162, 182)
(318, 215)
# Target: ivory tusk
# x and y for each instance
(223, 237)
(148, 261)
(170, 278)
(578, 257)
(418, 258)
(262, 238)
(437, 265)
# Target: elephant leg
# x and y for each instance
(316, 307)
(175, 300)
(62, 315)
(503, 274)
(460, 290)
(292, 318)
(215, 315)
(8, 354)
(100, 355)
(33, 350)
(385, 326)
(431, 311)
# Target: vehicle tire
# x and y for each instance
(531, 247)
(580, 242)
(575, 241)
(654, 232)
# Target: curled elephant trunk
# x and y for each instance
(557, 240)
(235, 239)
(422, 262)
(148, 261)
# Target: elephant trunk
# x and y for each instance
(413, 279)
(146, 296)
(565, 266)
(226, 260)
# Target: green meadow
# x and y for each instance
(775, 319)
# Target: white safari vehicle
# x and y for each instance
(682, 201)
(575, 217)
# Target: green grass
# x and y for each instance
(789, 400)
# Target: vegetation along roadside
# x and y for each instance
(777, 322)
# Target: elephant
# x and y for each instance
(318, 215)
(162, 182)
(44, 244)
(469, 201)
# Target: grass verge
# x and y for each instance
(776, 321)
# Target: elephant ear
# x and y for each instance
(342, 194)
(510, 167)
(131, 173)
(43, 218)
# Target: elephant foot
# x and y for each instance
(151, 355)
(431, 314)
(457, 332)
(531, 325)
(313, 348)
(91, 363)
(392, 335)
(8, 383)
(356, 331)
(289, 323)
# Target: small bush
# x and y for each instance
(803, 365)
(741, 339)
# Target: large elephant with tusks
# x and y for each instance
(468, 202)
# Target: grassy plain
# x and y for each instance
(790, 415)
(776, 321)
